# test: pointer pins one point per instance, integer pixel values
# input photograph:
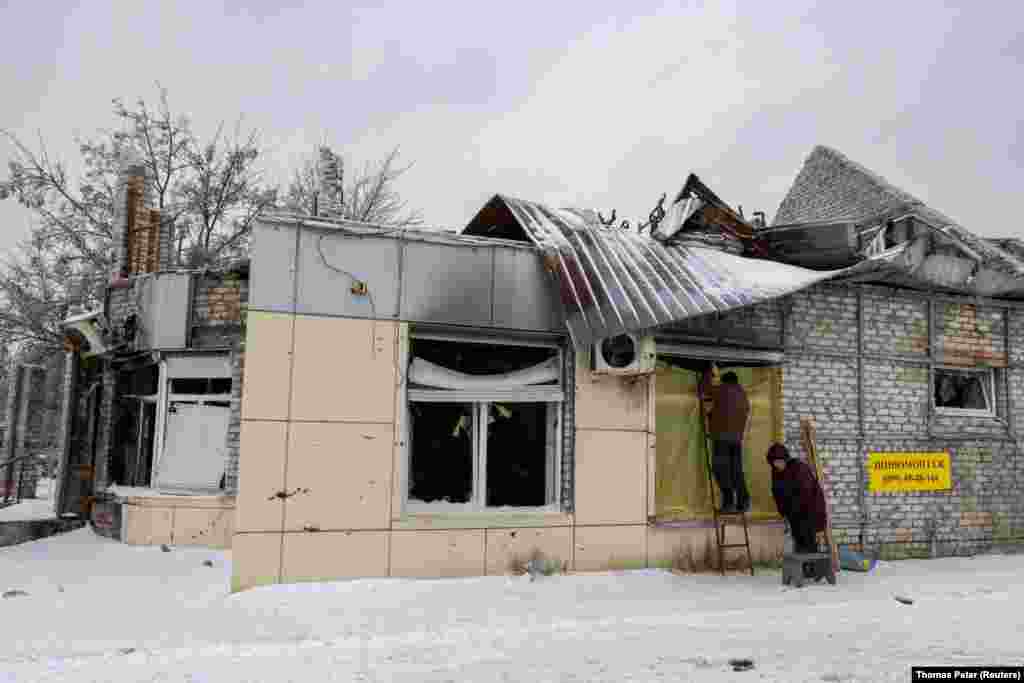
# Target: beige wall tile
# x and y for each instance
(506, 547)
(482, 520)
(689, 548)
(766, 542)
(609, 402)
(203, 527)
(255, 560)
(611, 477)
(344, 471)
(327, 556)
(146, 525)
(598, 548)
(672, 546)
(398, 451)
(261, 475)
(437, 553)
(268, 353)
(338, 376)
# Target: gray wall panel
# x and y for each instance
(272, 278)
(165, 313)
(522, 292)
(444, 283)
(325, 290)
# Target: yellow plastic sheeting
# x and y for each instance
(682, 489)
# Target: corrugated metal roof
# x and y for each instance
(612, 281)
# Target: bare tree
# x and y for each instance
(207, 194)
(368, 195)
(38, 287)
(221, 197)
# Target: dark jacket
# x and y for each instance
(798, 494)
(728, 420)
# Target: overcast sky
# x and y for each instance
(596, 104)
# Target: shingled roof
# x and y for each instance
(831, 186)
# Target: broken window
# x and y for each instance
(201, 385)
(966, 391)
(484, 425)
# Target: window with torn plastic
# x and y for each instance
(483, 427)
(964, 391)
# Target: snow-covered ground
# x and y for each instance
(97, 610)
(40, 507)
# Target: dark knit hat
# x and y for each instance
(777, 452)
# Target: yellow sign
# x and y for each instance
(894, 472)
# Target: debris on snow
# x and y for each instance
(164, 547)
(741, 664)
(184, 622)
(207, 563)
(14, 593)
(905, 600)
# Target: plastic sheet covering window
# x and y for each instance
(683, 489)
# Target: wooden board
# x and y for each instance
(808, 436)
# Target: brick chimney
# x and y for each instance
(330, 198)
(143, 242)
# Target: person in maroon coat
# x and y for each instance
(798, 496)
(727, 426)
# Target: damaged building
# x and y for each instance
(150, 450)
(419, 403)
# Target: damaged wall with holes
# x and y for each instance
(376, 463)
(892, 369)
(883, 369)
(150, 445)
(887, 370)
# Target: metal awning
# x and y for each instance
(610, 281)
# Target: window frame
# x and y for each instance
(478, 497)
(988, 392)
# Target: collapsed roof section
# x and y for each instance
(610, 281)
(839, 213)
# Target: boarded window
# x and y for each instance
(682, 489)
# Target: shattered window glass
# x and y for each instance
(489, 442)
(519, 454)
(963, 390)
(442, 454)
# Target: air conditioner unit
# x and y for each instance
(625, 354)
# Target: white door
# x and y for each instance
(195, 452)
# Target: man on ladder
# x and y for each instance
(727, 425)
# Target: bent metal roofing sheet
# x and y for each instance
(611, 281)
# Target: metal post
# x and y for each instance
(1011, 429)
(861, 445)
(930, 398)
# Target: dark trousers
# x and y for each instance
(804, 536)
(727, 466)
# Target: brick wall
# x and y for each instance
(144, 242)
(217, 309)
(986, 503)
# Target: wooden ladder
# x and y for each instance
(808, 435)
(721, 519)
